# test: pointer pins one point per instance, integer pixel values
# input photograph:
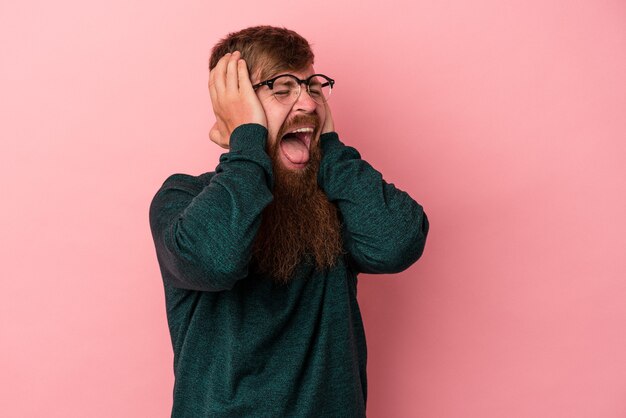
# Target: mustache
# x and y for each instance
(310, 119)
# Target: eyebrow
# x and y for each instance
(284, 72)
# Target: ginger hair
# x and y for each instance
(267, 50)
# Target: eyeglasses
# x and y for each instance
(286, 87)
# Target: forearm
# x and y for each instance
(384, 229)
(204, 233)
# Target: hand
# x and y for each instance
(329, 125)
(233, 98)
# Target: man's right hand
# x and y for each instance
(233, 98)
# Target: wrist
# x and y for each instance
(328, 135)
(247, 136)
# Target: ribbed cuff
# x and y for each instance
(248, 136)
(329, 140)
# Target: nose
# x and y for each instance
(305, 102)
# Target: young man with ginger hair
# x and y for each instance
(260, 257)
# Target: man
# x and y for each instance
(260, 258)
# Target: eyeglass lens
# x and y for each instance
(287, 89)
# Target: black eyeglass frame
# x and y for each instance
(307, 81)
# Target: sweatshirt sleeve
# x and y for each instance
(203, 232)
(384, 230)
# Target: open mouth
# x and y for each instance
(295, 145)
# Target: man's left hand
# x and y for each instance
(329, 125)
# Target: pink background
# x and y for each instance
(505, 120)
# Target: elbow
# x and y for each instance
(409, 246)
(418, 242)
(192, 259)
(398, 258)
(414, 246)
(206, 266)
(395, 254)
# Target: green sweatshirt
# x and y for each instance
(243, 345)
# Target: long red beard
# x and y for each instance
(299, 223)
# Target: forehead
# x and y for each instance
(302, 74)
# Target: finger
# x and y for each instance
(216, 80)
(232, 84)
(244, 76)
(327, 108)
(219, 77)
(328, 122)
(212, 91)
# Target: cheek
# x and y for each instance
(275, 120)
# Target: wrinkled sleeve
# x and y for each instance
(384, 230)
(203, 232)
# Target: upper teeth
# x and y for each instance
(302, 130)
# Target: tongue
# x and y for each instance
(294, 149)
